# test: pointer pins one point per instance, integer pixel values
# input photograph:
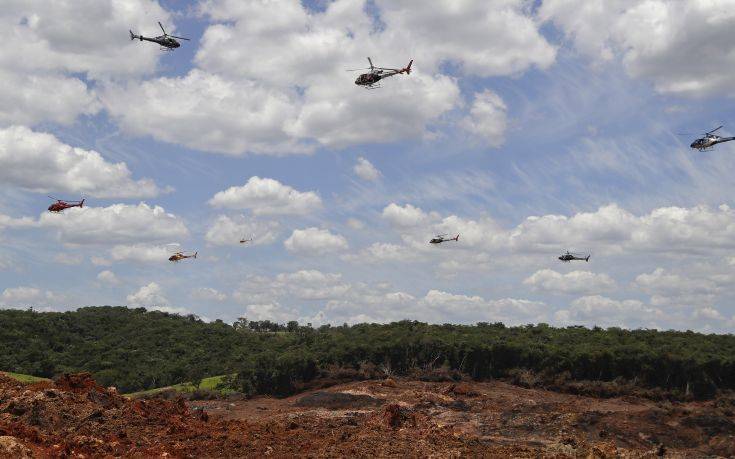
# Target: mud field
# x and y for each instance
(73, 417)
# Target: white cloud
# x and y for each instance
(25, 296)
(487, 118)
(12, 222)
(208, 294)
(670, 43)
(314, 241)
(108, 277)
(149, 296)
(71, 259)
(212, 113)
(229, 231)
(381, 252)
(574, 282)
(404, 216)
(116, 224)
(29, 99)
(270, 311)
(47, 44)
(265, 196)
(140, 253)
(270, 79)
(607, 312)
(356, 224)
(365, 170)
(484, 38)
(660, 282)
(39, 162)
(609, 229)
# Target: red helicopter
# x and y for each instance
(60, 205)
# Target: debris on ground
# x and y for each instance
(74, 417)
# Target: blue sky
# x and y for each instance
(528, 128)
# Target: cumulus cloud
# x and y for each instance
(365, 170)
(574, 282)
(342, 301)
(607, 312)
(44, 53)
(405, 216)
(140, 253)
(71, 259)
(487, 119)
(265, 196)
(39, 162)
(669, 43)
(381, 252)
(230, 230)
(208, 294)
(30, 99)
(25, 296)
(314, 241)
(116, 224)
(108, 277)
(212, 113)
(252, 93)
(609, 229)
(152, 297)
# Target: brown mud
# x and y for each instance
(74, 417)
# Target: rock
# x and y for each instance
(10, 447)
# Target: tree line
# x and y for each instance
(136, 349)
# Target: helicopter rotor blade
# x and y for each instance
(716, 129)
(180, 38)
(357, 70)
(371, 63)
(161, 26)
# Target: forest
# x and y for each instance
(136, 349)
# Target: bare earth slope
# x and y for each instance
(75, 418)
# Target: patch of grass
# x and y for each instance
(24, 378)
(210, 383)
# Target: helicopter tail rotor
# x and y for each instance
(408, 68)
(132, 35)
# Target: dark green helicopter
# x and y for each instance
(166, 41)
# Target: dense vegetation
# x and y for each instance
(135, 349)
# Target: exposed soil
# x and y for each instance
(73, 417)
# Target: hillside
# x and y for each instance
(135, 349)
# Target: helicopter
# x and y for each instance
(167, 42)
(60, 205)
(245, 240)
(370, 80)
(178, 256)
(569, 256)
(439, 238)
(709, 140)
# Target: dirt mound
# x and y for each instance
(74, 416)
(338, 401)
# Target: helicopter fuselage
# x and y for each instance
(567, 257)
(166, 42)
(368, 79)
(709, 141)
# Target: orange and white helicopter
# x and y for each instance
(371, 79)
(178, 255)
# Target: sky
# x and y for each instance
(527, 127)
